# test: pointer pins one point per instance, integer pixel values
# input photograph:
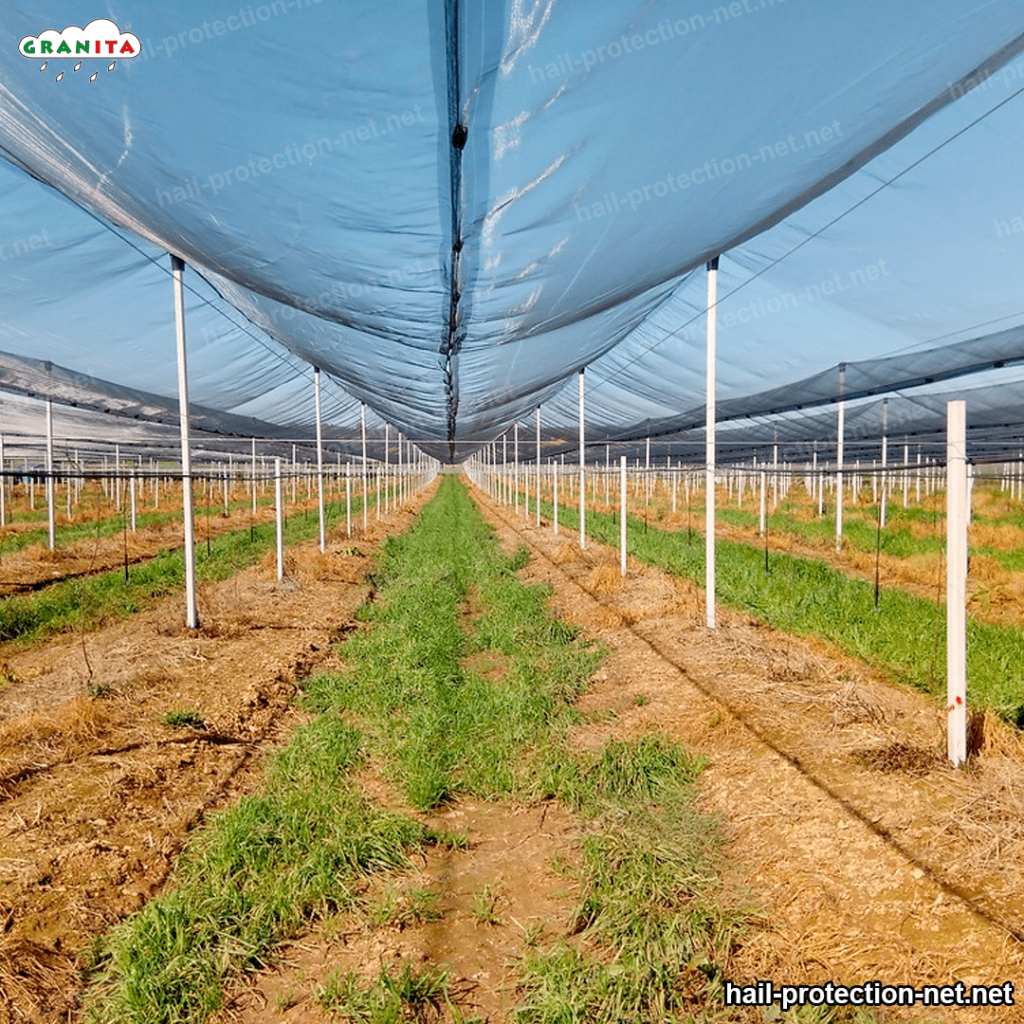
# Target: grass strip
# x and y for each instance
(906, 637)
(249, 878)
(87, 602)
(899, 539)
(86, 529)
(465, 686)
(464, 668)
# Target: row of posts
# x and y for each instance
(498, 470)
(484, 472)
(425, 467)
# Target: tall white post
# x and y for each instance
(253, 475)
(387, 466)
(538, 464)
(622, 513)
(647, 473)
(583, 470)
(131, 491)
(51, 512)
(279, 518)
(554, 481)
(191, 608)
(362, 426)
(3, 486)
(840, 429)
(885, 463)
(319, 455)
(906, 474)
(956, 579)
(515, 465)
(764, 484)
(709, 522)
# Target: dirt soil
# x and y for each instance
(491, 902)
(97, 795)
(870, 856)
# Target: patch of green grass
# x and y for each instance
(650, 896)
(389, 999)
(484, 905)
(438, 727)
(249, 878)
(184, 718)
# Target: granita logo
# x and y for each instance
(99, 40)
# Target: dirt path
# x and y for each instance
(471, 913)
(870, 857)
(97, 794)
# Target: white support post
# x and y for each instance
(583, 471)
(279, 518)
(775, 477)
(538, 465)
(3, 486)
(131, 491)
(764, 487)
(622, 513)
(253, 476)
(319, 456)
(387, 466)
(956, 579)
(362, 427)
(348, 499)
(840, 429)
(885, 463)
(503, 498)
(515, 466)
(191, 608)
(554, 480)
(709, 522)
(51, 511)
(647, 474)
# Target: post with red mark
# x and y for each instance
(956, 580)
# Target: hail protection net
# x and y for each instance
(450, 208)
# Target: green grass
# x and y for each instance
(388, 999)
(249, 878)
(650, 896)
(184, 718)
(462, 683)
(860, 526)
(87, 602)
(437, 725)
(906, 637)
